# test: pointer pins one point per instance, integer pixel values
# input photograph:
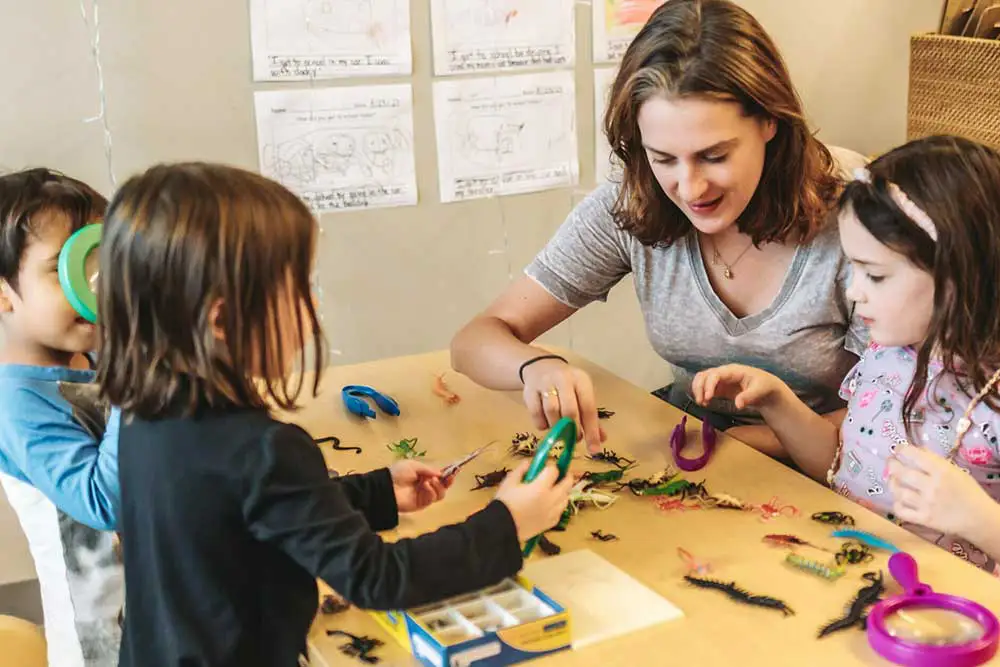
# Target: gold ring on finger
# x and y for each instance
(551, 392)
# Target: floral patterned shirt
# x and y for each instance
(873, 428)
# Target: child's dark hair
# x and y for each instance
(956, 182)
(28, 200)
(202, 263)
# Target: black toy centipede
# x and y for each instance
(741, 595)
(335, 443)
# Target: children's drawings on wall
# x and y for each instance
(616, 23)
(296, 40)
(339, 148)
(490, 35)
(505, 135)
(607, 166)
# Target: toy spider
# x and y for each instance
(490, 479)
(358, 647)
(604, 537)
(610, 456)
(525, 447)
(854, 553)
(405, 449)
(333, 605)
(834, 518)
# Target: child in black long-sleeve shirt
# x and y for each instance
(227, 514)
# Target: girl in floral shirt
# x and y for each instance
(918, 439)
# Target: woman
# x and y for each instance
(722, 217)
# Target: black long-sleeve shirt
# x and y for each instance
(228, 519)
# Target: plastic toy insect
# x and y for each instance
(359, 647)
(548, 547)
(405, 449)
(581, 494)
(694, 565)
(671, 504)
(740, 595)
(791, 541)
(814, 567)
(490, 479)
(604, 413)
(521, 437)
(678, 439)
(834, 518)
(773, 508)
(610, 456)
(674, 488)
(524, 447)
(857, 610)
(854, 553)
(638, 485)
(440, 388)
(335, 443)
(603, 537)
(333, 604)
(599, 478)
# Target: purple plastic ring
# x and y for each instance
(679, 438)
(919, 595)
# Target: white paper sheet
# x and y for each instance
(606, 164)
(603, 601)
(295, 40)
(339, 148)
(490, 35)
(505, 135)
(616, 22)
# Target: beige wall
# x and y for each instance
(178, 87)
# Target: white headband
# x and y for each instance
(905, 204)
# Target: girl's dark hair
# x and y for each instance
(204, 268)
(957, 183)
(29, 199)
(717, 50)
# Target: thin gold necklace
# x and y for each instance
(717, 260)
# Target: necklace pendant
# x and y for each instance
(728, 273)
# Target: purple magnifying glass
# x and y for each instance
(926, 629)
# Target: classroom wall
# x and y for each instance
(395, 281)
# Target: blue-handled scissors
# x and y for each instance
(354, 396)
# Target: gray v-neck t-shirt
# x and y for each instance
(807, 336)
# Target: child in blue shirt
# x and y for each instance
(58, 442)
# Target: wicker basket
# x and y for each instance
(954, 88)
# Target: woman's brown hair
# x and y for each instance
(957, 183)
(200, 263)
(717, 50)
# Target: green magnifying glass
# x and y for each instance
(78, 270)
(564, 431)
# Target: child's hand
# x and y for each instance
(747, 386)
(931, 491)
(416, 485)
(535, 506)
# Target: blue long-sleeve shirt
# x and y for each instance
(55, 436)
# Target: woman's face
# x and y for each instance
(706, 155)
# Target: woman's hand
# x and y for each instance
(553, 389)
(417, 485)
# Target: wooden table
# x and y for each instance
(714, 630)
